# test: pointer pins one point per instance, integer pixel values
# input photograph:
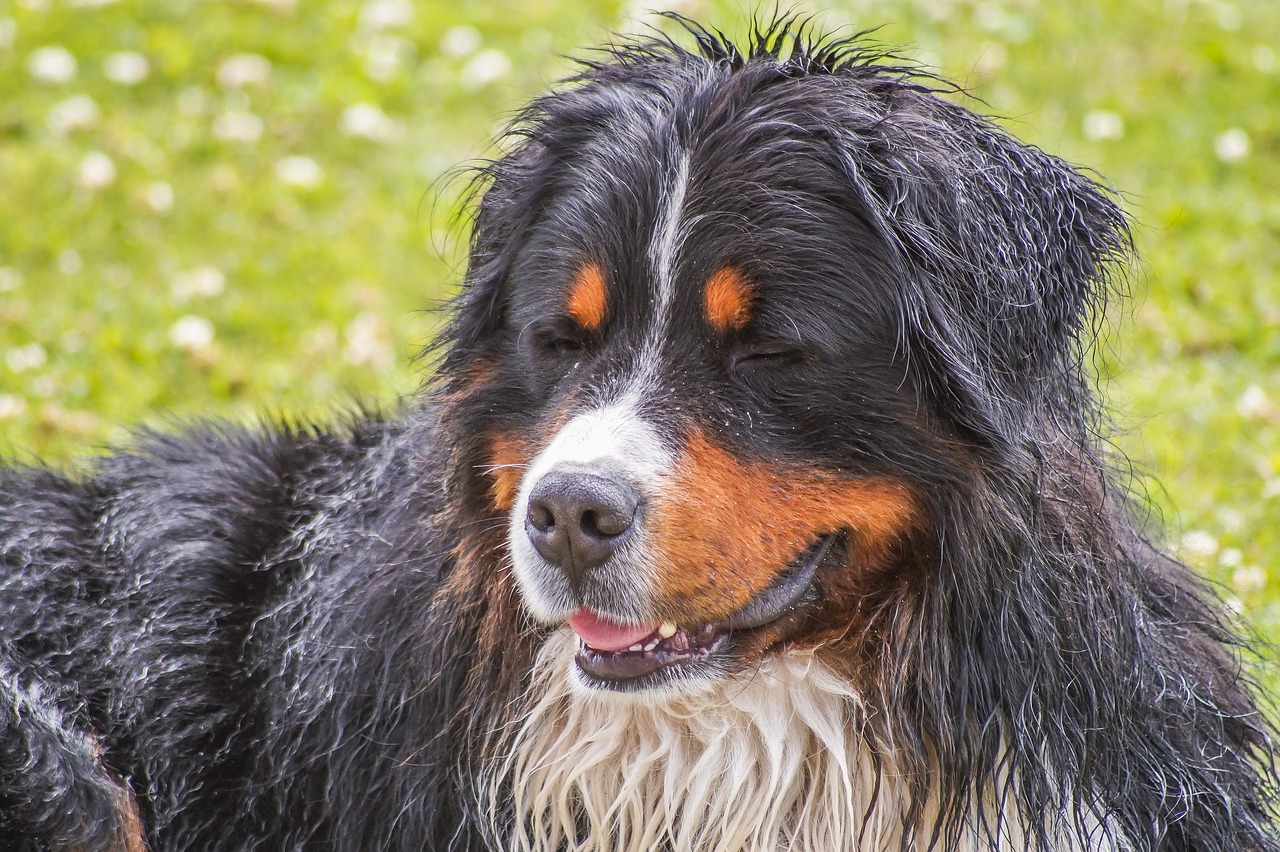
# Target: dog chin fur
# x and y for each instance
(785, 757)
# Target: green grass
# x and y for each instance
(313, 289)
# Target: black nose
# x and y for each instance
(579, 516)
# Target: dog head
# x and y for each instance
(735, 327)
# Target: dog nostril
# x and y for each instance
(605, 524)
(541, 517)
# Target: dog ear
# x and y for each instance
(1005, 252)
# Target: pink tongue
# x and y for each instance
(605, 635)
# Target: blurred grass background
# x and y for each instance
(239, 209)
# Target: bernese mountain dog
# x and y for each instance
(759, 501)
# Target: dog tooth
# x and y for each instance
(635, 647)
(651, 645)
(666, 630)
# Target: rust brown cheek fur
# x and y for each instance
(727, 300)
(724, 528)
(508, 457)
(587, 301)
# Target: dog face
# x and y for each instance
(728, 348)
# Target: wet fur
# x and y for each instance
(275, 639)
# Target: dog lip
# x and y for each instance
(608, 661)
(788, 592)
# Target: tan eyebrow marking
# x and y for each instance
(587, 299)
(728, 299)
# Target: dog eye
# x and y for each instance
(556, 342)
(768, 356)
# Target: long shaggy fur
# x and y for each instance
(284, 639)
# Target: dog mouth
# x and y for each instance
(627, 657)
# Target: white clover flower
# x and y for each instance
(1199, 546)
(74, 113)
(126, 68)
(70, 262)
(386, 55)
(367, 342)
(1100, 125)
(236, 126)
(1264, 58)
(97, 171)
(368, 121)
(203, 281)
(244, 69)
(10, 279)
(1254, 404)
(461, 41)
(52, 64)
(22, 359)
(159, 196)
(1232, 145)
(385, 14)
(192, 334)
(484, 68)
(299, 171)
(12, 406)
(1249, 578)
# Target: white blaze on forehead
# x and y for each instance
(665, 245)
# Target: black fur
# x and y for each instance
(295, 639)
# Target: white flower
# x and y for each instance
(236, 126)
(1232, 145)
(302, 172)
(159, 196)
(1249, 578)
(10, 279)
(97, 171)
(203, 281)
(24, 358)
(385, 14)
(1264, 59)
(12, 406)
(461, 41)
(52, 64)
(75, 113)
(1255, 404)
(1099, 125)
(485, 67)
(367, 343)
(243, 69)
(386, 55)
(368, 121)
(1199, 546)
(192, 333)
(127, 68)
(70, 262)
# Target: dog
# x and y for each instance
(758, 502)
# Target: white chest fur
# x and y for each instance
(780, 760)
